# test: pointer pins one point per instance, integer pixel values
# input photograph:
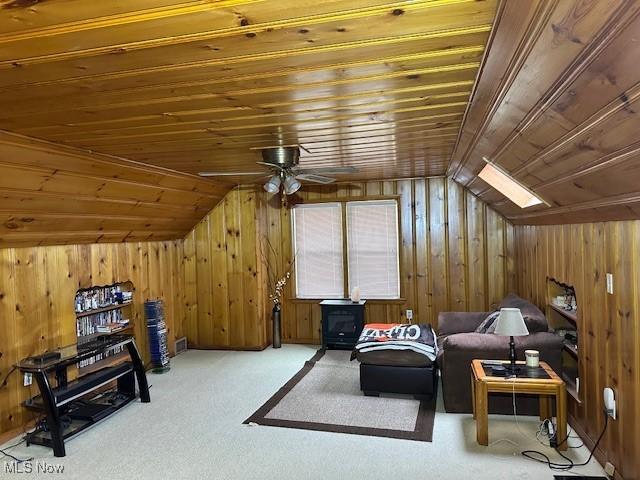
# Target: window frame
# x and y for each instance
(345, 250)
(295, 246)
(345, 243)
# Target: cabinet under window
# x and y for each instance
(342, 245)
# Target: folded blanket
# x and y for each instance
(397, 336)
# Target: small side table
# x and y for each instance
(544, 382)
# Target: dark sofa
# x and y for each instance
(459, 344)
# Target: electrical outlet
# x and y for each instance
(609, 469)
(27, 380)
(610, 283)
(609, 399)
(409, 314)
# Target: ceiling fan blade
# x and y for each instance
(228, 174)
(309, 177)
(327, 170)
(270, 165)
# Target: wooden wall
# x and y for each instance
(456, 253)
(609, 325)
(224, 279)
(37, 289)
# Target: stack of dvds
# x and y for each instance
(157, 328)
(99, 297)
(104, 322)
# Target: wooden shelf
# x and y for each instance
(97, 334)
(571, 388)
(103, 309)
(569, 347)
(569, 315)
(107, 362)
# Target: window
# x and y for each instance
(368, 249)
(372, 232)
(317, 244)
(509, 187)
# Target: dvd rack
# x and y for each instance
(157, 329)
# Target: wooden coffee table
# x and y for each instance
(483, 383)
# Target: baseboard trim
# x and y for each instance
(303, 341)
(599, 454)
(16, 432)
(255, 348)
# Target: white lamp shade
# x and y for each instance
(291, 185)
(510, 323)
(273, 184)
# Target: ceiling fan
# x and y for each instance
(283, 162)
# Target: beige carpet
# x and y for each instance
(325, 395)
(192, 429)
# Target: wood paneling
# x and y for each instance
(193, 85)
(453, 254)
(556, 106)
(609, 326)
(53, 195)
(224, 276)
(37, 289)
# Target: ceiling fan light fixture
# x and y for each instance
(273, 184)
(291, 185)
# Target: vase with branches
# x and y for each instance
(277, 276)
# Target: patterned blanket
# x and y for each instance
(397, 336)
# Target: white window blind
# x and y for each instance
(372, 239)
(318, 248)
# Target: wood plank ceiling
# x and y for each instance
(380, 85)
(557, 106)
(53, 195)
(193, 85)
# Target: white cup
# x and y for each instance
(533, 358)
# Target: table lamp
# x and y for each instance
(511, 324)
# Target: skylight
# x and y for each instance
(509, 187)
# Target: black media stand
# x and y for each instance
(68, 410)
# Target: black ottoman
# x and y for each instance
(417, 381)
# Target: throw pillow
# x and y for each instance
(488, 325)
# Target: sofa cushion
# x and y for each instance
(533, 317)
(488, 325)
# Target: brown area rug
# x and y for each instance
(325, 395)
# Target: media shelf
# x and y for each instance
(562, 314)
(76, 426)
(568, 314)
(108, 308)
(72, 406)
(107, 362)
(102, 311)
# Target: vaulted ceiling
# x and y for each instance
(546, 89)
(54, 195)
(195, 85)
(557, 105)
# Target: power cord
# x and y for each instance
(15, 459)
(548, 429)
(6, 377)
(563, 467)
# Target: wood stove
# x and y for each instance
(342, 323)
